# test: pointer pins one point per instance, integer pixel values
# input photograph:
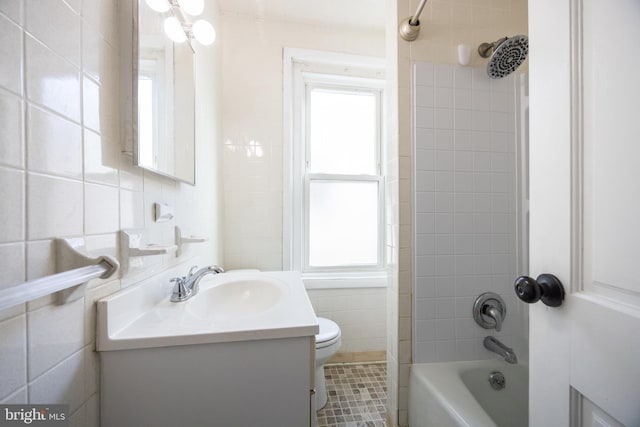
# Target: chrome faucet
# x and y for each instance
(494, 345)
(187, 286)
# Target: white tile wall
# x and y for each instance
(101, 159)
(61, 94)
(54, 207)
(12, 10)
(358, 312)
(54, 144)
(13, 368)
(11, 128)
(12, 213)
(49, 344)
(101, 209)
(62, 174)
(47, 27)
(12, 265)
(465, 209)
(64, 383)
(11, 49)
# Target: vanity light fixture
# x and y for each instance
(204, 32)
(177, 27)
(160, 6)
(174, 30)
(192, 7)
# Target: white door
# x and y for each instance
(585, 211)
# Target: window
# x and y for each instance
(336, 188)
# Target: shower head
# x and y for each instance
(508, 54)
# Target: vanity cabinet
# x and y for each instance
(244, 383)
(241, 352)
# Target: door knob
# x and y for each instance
(546, 287)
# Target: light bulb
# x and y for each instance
(204, 32)
(159, 5)
(192, 7)
(174, 30)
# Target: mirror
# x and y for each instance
(165, 139)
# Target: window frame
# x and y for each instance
(304, 71)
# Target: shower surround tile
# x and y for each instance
(465, 207)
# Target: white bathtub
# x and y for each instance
(458, 394)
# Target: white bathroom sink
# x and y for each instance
(228, 307)
(237, 299)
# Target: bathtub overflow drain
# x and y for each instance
(497, 381)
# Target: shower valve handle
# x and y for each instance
(546, 288)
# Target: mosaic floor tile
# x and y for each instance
(357, 395)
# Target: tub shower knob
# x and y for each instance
(546, 287)
(489, 311)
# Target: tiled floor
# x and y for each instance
(357, 396)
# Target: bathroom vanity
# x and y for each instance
(239, 353)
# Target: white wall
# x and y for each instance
(62, 175)
(252, 119)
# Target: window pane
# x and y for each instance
(343, 223)
(342, 132)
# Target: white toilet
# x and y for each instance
(327, 344)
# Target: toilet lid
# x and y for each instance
(328, 330)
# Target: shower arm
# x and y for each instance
(410, 27)
(485, 49)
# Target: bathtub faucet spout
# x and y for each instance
(492, 344)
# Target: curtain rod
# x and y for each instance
(410, 27)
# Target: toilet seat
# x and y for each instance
(329, 333)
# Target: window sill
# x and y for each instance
(317, 281)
